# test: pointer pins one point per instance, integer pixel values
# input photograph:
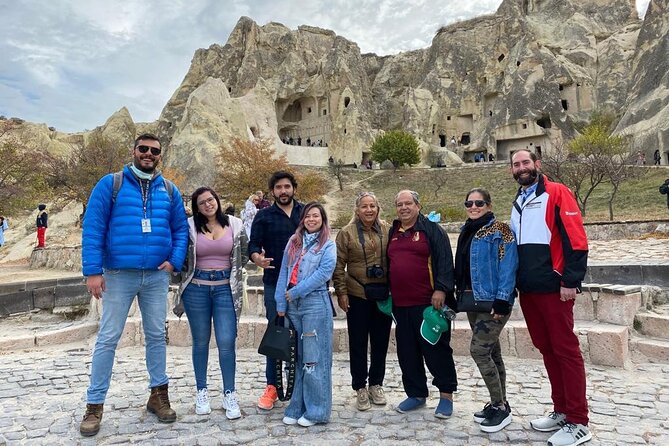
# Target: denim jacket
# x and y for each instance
(313, 274)
(493, 263)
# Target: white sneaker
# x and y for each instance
(202, 406)
(231, 405)
(570, 435)
(305, 423)
(551, 422)
(289, 421)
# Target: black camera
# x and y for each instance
(375, 272)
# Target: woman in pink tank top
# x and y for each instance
(212, 292)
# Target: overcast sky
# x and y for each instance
(72, 63)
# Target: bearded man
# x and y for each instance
(552, 254)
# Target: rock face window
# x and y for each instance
(308, 109)
(465, 139)
(347, 101)
(501, 57)
(229, 89)
(565, 104)
(544, 122)
(293, 113)
(448, 118)
(325, 112)
(442, 140)
(490, 112)
(524, 126)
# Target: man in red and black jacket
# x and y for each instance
(553, 254)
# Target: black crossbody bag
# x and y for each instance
(375, 292)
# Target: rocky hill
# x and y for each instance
(519, 78)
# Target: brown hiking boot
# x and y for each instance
(159, 403)
(90, 424)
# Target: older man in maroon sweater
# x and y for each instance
(420, 275)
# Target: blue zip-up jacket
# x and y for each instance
(112, 237)
(313, 274)
(493, 260)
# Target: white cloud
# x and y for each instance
(73, 63)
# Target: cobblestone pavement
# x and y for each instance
(42, 400)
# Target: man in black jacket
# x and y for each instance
(420, 274)
(664, 189)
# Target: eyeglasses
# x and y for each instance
(155, 151)
(209, 200)
(478, 203)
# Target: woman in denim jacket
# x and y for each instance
(486, 261)
(302, 293)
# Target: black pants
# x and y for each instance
(366, 322)
(412, 350)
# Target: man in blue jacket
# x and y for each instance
(135, 233)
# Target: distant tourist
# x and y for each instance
(664, 189)
(657, 158)
(263, 203)
(212, 294)
(228, 208)
(42, 222)
(131, 243)
(299, 140)
(553, 255)
(249, 212)
(4, 225)
(308, 141)
(330, 160)
(491, 157)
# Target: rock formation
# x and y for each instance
(646, 112)
(518, 78)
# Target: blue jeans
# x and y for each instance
(270, 314)
(204, 303)
(312, 395)
(122, 286)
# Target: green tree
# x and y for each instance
(398, 147)
(22, 179)
(593, 158)
(74, 176)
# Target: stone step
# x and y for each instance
(649, 350)
(652, 324)
(601, 343)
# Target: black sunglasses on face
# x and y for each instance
(478, 203)
(155, 151)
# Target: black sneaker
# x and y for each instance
(483, 414)
(499, 418)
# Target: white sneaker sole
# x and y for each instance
(203, 410)
(289, 421)
(490, 429)
(230, 415)
(546, 429)
(577, 442)
(305, 423)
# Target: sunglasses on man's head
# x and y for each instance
(155, 151)
(478, 203)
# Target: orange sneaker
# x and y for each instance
(267, 399)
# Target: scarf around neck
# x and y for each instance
(140, 174)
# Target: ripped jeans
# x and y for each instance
(312, 395)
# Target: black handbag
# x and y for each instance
(280, 343)
(467, 302)
(376, 292)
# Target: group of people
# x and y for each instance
(402, 271)
(298, 141)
